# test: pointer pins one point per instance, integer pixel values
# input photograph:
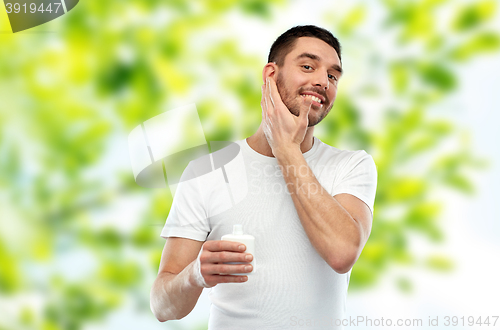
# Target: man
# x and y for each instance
(308, 234)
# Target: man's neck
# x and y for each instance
(258, 142)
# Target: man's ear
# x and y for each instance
(270, 70)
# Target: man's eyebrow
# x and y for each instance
(317, 58)
(309, 55)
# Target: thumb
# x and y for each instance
(304, 115)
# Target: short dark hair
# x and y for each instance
(285, 42)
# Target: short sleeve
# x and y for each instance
(188, 216)
(358, 178)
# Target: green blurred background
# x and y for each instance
(79, 240)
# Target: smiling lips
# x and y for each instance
(317, 99)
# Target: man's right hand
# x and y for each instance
(210, 268)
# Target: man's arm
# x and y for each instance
(174, 293)
(186, 267)
(338, 227)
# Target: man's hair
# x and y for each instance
(285, 42)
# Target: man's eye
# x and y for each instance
(307, 67)
(331, 76)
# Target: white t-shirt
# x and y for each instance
(292, 286)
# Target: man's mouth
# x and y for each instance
(316, 99)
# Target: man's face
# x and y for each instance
(310, 73)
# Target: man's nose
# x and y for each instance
(321, 79)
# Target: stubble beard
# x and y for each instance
(294, 105)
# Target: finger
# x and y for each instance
(268, 134)
(269, 101)
(262, 99)
(216, 279)
(274, 94)
(226, 269)
(304, 115)
(225, 256)
(265, 98)
(216, 246)
(269, 91)
(263, 103)
(265, 119)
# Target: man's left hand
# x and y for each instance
(283, 130)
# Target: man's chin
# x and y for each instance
(312, 123)
(314, 118)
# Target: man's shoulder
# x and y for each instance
(329, 153)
